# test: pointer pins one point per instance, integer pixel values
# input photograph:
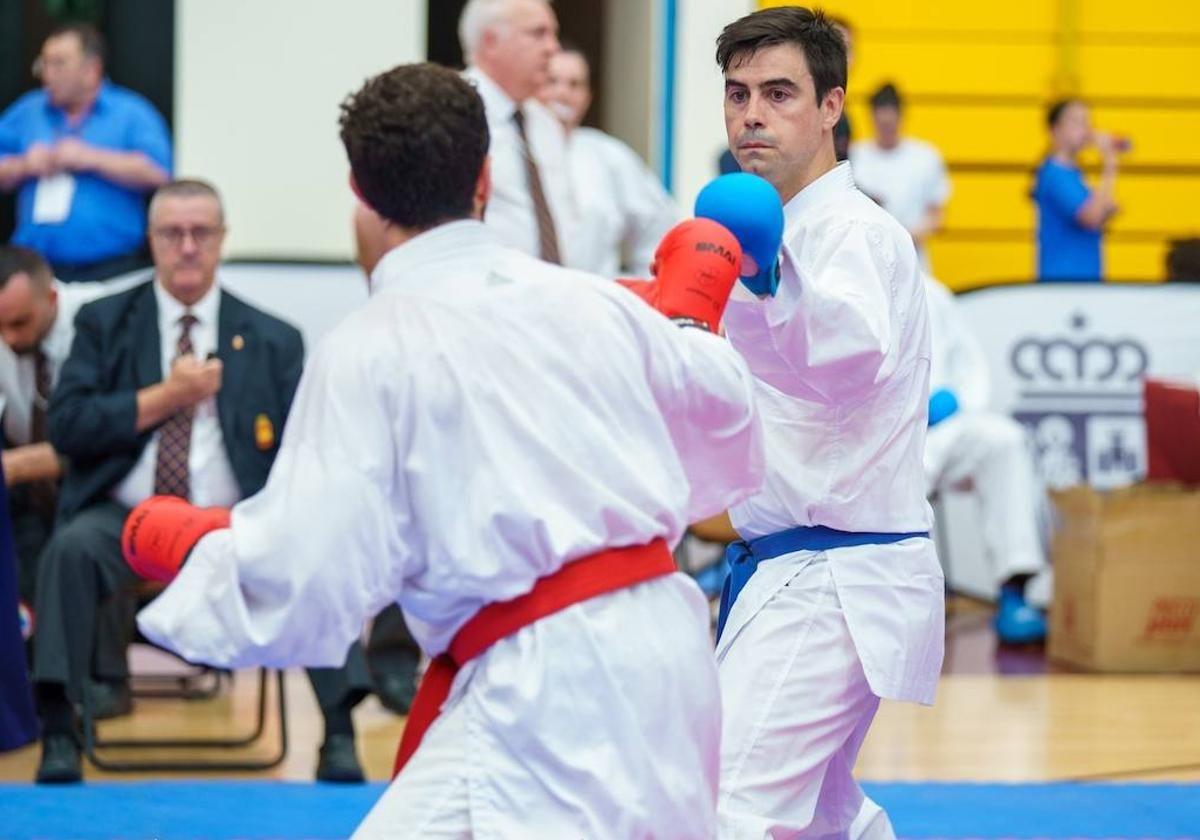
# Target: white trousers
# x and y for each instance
(797, 708)
(601, 721)
(988, 452)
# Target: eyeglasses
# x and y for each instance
(202, 235)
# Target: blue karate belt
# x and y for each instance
(743, 556)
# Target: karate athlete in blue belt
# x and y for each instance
(835, 596)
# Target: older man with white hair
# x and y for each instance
(507, 45)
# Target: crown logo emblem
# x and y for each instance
(1078, 362)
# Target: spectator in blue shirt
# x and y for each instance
(82, 154)
(1071, 217)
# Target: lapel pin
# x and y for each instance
(238, 342)
(264, 432)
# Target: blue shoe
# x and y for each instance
(711, 579)
(1017, 623)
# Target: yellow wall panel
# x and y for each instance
(1157, 18)
(978, 83)
(993, 202)
(1023, 16)
(959, 67)
(966, 265)
(1167, 203)
(1137, 70)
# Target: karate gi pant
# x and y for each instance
(797, 709)
(600, 721)
(988, 452)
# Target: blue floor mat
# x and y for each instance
(254, 809)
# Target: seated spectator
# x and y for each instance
(620, 206)
(37, 326)
(1072, 217)
(969, 446)
(175, 387)
(905, 176)
(82, 153)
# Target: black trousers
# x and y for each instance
(33, 523)
(391, 649)
(82, 567)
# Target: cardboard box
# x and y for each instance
(1127, 580)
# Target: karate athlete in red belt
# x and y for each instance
(507, 449)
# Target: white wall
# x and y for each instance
(699, 89)
(257, 89)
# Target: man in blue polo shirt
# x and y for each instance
(82, 153)
(1071, 217)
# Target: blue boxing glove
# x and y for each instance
(942, 404)
(750, 208)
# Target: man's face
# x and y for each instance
(774, 123)
(27, 312)
(186, 233)
(568, 91)
(520, 47)
(1074, 128)
(67, 73)
(887, 125)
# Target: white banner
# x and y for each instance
(1067, 361)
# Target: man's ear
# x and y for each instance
(483, 188)
(831, 107)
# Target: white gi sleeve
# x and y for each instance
(318, 551)
(827, 334)
(706, 395)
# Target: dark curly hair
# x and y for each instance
(416, 137)
(815, 34)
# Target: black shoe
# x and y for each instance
(111, 699)
(396, 691)
(61, 761)
(338, 761)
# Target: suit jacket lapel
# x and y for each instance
(232, 339)
(147, 349)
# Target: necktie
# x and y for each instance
(547, 237)
(175, 435)
(41, 396)
(43, 493)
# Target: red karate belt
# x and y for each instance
(577, 581)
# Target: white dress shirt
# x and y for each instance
(842, 356)
(621, 208)
(18, 373)
(212, 481)
(906, 180)
(510, 210)
(485, 418)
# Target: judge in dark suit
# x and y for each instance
(173, 387)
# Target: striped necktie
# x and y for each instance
(547, 237)
(175, 435)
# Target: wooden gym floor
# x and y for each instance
(998, 717)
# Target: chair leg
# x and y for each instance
(92, 744)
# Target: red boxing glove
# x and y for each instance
(695, 267)
(647, 290)
(161, 532)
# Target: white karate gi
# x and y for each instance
(620, 208)
(816, 638)
(485, 418)
(982, 450)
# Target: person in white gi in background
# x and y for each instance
(969, 446)
(485, 425)
(507, 45)
(620, 207)
(846, 604)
